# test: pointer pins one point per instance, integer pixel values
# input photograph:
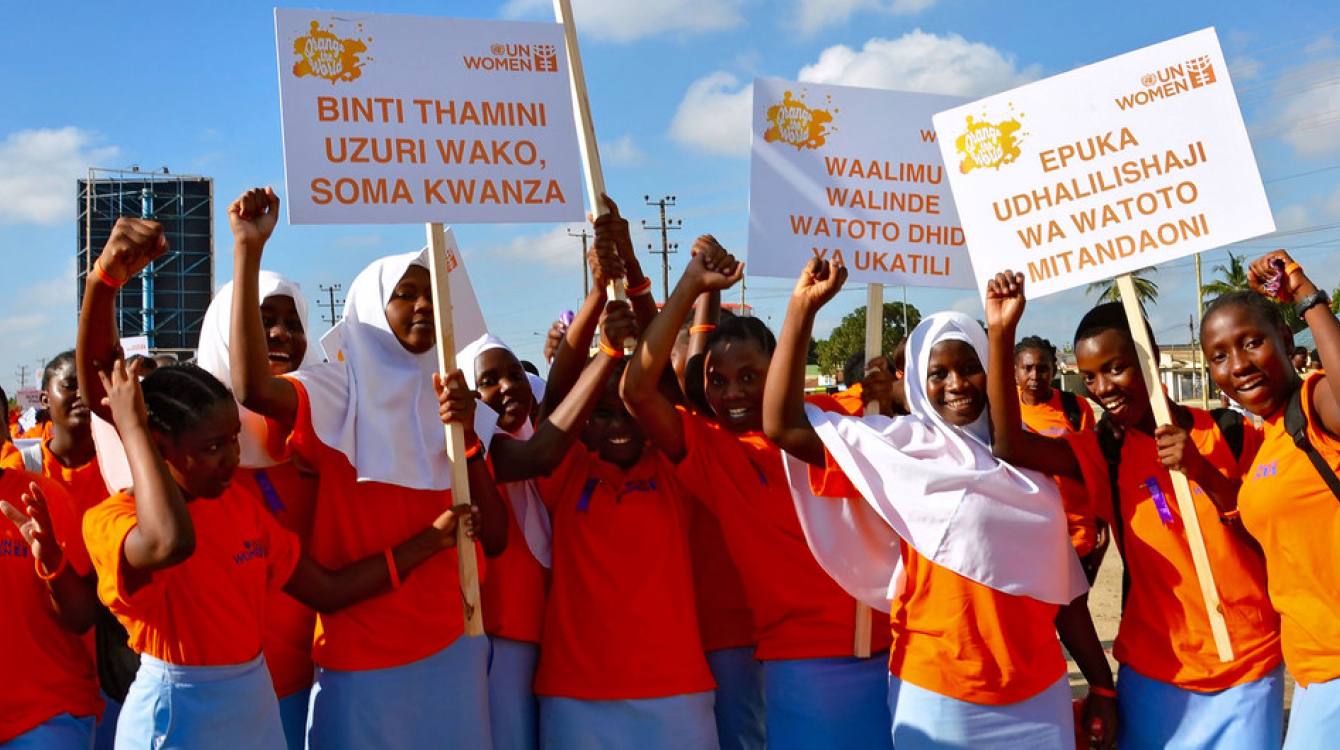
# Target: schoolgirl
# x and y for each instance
(968, 555)
(818, 693)
(1289, 501)
(1173, 690)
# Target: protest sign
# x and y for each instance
(404, 119)
(134, 346)
(28, 399)
(1126, 163)
(852, 175)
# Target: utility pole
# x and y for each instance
(667, 247)
(586, 276)
(23, 377)
(331, 317)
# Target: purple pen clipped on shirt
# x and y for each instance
(566, 317)
(1160, 502)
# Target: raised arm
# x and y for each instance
(456, 403)
(784, 420)
(132, 245)
(570, 359)
(252, 218)
(164, 534)
(612, 229)
(1009, 440)
(514, 460)
(711, 268)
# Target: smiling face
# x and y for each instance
(202, 459)
(60, 397)
(1033, 371)
(503, 385)
(956, 382)
(735, 371)
(285, 339)
(1248, 358)
(410, 311)
(1110, 367)
(611, 431)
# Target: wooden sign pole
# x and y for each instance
(460, 472)
(874, 347)
(1181, 488)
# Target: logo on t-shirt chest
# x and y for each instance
(251, 550)
(13, 547)
(1265, 471)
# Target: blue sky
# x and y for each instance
(193, 87)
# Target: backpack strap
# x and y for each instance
(1230, 424)
(1110, 443)
(1070, 407)
(1295, 423)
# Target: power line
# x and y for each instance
(667, 247)
(586, 278)
(332, 317)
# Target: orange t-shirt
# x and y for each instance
(1165, 632)
(800, 612)
(621, 623)
(1049, 419)
(850, 400)
(48, 669)
(355, 520)
(289, 624)
(956, 637)
(724, 619)
(513, 594)
(1289, 509)
(41, 431)
(84, 483)
(10, 457)
(210, 609)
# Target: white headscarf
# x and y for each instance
(531, 514)
(939, 488)
(212, 356)
(374, 401)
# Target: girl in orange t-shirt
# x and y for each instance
(818, 692)
(187, 560)
(1285, 503)
(967, 554)
(1173, 690)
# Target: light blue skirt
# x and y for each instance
(926, 720)
(1314, 717)
(838, 703)
(438, 700)
(675, 722)
(293, 715)
(200, 708)
(1156, 714)
(514, 713)
(60, 732)
(741, 711)
(104, 736)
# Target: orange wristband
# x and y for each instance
(1105, 692)
(708, 328)
(474, 449)
(1289, 269)
(612, 353)
(37, 566)
(1230, 516)
(106, 278)
(636, 289)
(390, 567)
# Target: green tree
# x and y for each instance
(1146, 290)
(1234, 278)
(849, 336)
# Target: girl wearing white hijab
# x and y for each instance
(393, 671)
(289, 488)
(914, 516)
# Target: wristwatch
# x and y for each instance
(1307, 303)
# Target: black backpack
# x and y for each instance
(1070, 407)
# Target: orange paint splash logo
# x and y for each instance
(324, 55)
(986, 144)
(797, 124)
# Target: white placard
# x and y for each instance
(1127, 163)
(853, 175)
(405, 119)
(134, 346)
(466, 316)
(28, 399)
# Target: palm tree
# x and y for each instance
(1146, 290)
(1234, 278)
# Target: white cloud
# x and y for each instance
(59, 292)
(1244, 69)
(623, 21)
(918, 61)
(622, 152)
(359, 241)
(971, 305)
(38, 169)
(714, 115)
(815, 15)
(1313, 121)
